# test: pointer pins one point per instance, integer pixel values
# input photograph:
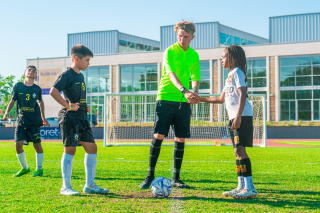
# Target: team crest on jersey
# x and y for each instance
(76, 137)
(229, 80)
(236, 139)
(34, 95)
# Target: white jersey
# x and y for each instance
(236, 78)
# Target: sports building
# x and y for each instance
(285, 67)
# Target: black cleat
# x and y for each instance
(146, 183)
(178, 183)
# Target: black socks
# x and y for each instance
(154, 154)
(178, 156)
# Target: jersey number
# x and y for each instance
(28, 97)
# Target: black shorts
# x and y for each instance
(29, 134)
(169, 113)
(74, 130)
(242, 137)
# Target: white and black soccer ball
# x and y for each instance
(161, 187)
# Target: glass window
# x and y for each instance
(244, 41)
(229, 40)
(303, 61)
(250, 42)
(126, 79)
(259, 63)
(204, 75)
(304, 94)
(122, 46)
(287, 94)
(256, 73)
(303, 81)
(156, 48)
(303, 70)
(104, 80)
(131, 46)
(141, 77)
(139, 47)
(287, 62)
(287, 110)
(287, 81)
(316, 60)
(316, 69)
(287, 71)
(237, 40)
(316, 94)
(148, 48)
(316, 110)
(223, 39)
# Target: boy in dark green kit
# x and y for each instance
(180, 62)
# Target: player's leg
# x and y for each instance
(34, 135)
(20, 135)
(245, 137)
(90, 160)
(163, 117)
(181, 126)
(69, 133)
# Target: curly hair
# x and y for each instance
(237, 58)
(187, 26)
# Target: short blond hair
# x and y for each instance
(187, 26)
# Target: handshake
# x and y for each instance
(192, 98)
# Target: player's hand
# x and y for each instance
(195, 100)
(88, 108)
(5, 116)
(73, 106)
(45, 122)
(190, 97)
(236, 123)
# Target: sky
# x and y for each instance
(37, 28)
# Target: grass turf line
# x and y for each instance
(287, 180)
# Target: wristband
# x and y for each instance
(70, 107)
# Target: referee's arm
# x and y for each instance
(176, 82)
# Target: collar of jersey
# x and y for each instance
(181, 50)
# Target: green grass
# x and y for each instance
(303, 143)
(287, 180)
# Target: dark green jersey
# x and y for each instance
(74, 90)
(28, 110)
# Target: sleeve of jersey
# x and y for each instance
(195, 73)
(40, 95)
(62, 82)
(14, 95)
(239, 78)
(168, 62)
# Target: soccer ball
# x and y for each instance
(161, 187)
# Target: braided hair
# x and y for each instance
(237, 58)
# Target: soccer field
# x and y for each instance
(287, 180)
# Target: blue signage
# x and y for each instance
(50, 133)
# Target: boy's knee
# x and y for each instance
(158, 136)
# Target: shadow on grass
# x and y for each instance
(263, 199)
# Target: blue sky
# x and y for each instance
(31, 29)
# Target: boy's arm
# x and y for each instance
(176, 82)
(56, 95)
(243, 96)
(9, 108)
(213, 100)
(43, 117)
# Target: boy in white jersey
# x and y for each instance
(240, 118)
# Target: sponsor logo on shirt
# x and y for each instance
(34, 95)
(229, 80)
(229, 91)
(76, 136)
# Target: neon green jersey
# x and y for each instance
(184, 64)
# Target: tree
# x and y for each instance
(6, 86)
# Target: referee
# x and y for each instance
(172, 107)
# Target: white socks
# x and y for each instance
(23, 160)
(248, 183)
(39, 157)
(66, 167)
(241, 183)
(90, 163)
